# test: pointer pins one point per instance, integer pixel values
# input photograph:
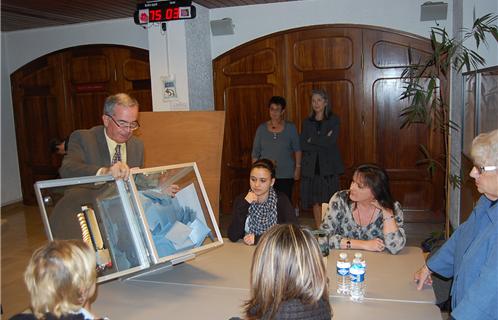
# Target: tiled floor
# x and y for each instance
(22, 232)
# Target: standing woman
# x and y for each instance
(322, 163)
(278, 140)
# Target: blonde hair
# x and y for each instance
(60, 276)
(485, 148)
(287, 264)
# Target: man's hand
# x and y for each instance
(171, 190)
(423, 276)
(119, 170)
(249, 239)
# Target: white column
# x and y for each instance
(168, 61)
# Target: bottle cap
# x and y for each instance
(343, 255)
(358, 255)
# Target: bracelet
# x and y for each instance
(348, 244)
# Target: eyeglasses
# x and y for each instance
(482, 169)
(124, 124)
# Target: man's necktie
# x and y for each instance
(117, 154)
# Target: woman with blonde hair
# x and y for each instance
(61, 279)
(288, 277)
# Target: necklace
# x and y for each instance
(274, 126)
(359, 216)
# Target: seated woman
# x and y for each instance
(60, 278)
(262, 207)
(365, 216)
(288, 277)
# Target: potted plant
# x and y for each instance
(426, 88)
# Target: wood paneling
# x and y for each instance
(360, 68)
(64, 91)
(201, 131)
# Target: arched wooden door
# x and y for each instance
(359, 66)
(64, 91)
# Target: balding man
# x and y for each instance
(106, 149)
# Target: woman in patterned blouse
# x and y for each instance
(365, 216)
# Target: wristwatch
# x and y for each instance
(348, 244)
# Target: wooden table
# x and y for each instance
(216, 284)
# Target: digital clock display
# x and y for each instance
(162, 12)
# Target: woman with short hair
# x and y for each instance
(470, 255)
(278, 140)
(61, 279)
(288, 277)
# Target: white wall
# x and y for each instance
(480, 8)
(9, 176)
(26, 45)
(254, 21)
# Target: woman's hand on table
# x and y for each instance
(374, 245)
(249, 239)
(423, 276)
(251, 197)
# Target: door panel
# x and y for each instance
(359, 67)
(250, 78)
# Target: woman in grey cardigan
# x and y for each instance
(278, 141)
(321, 163)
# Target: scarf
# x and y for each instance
(263, 215)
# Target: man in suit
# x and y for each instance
(110, 148)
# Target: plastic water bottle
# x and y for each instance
(357, 271)
(343, 266)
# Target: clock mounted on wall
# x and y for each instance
(163, 11)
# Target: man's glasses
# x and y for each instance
(124, 124)
(482, 169)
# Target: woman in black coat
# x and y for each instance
(321, 163)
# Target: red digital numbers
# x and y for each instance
(155, 15)
(172, 13)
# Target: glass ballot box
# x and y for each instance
(132, 225)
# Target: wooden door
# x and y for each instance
(96, 71)
(398, 150)
(247, 79)
(359, 66)
(64, 91)
(39, 115)
(330, 59)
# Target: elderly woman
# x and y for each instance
(470, 255)
(288, 277)
(261, 207)
(365, 216)
(61, 279)
(278, 140)
(321, 163)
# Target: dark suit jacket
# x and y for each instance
(319, 144)
(88, 152)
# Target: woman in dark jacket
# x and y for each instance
(261, 207)
(321, 163)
